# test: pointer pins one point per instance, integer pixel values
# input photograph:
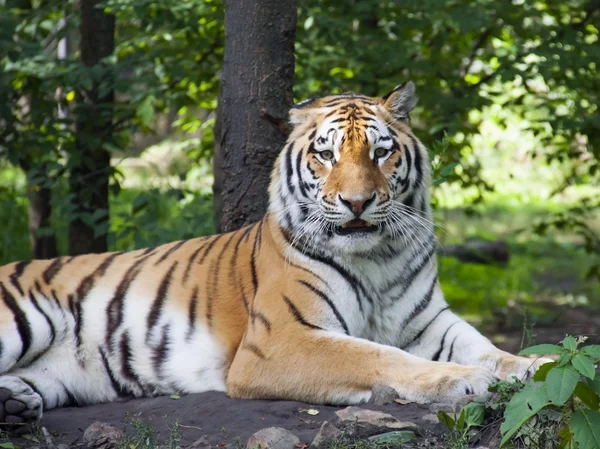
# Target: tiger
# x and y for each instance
(334, 291)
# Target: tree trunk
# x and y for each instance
(90, 163)
(217, 187)
(41, 235)
(258, 74)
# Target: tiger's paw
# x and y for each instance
(449, 383)
(18, 402)
(506, 366)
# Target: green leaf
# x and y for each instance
(7, 446)
(448, 169)
(544, 349)
(594, 384)
(145, 110)
(446, 419)
(561, 382)
(585, 425)
(523, 405)
(584, 365)
(473, 414)
(395, 439)
(542, 371)
(587, 395)
(570, 343)
(592, 351)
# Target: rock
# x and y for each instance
(273, 438)
(364, 423)
(201, 443)
(326, 433)
(397, 438)
(430, 417)
(62, 446)
(382, 395)
(457, 407)
(101, 435)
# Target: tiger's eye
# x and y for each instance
(380, 152)
(327, 155)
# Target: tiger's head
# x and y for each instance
(352, 176)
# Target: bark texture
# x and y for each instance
(256, 96)
(90, 164)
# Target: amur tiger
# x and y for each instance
(333, 291)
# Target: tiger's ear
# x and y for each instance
(301, 112)
(400, 101)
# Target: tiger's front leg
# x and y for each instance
(299, 360)
(440, 335)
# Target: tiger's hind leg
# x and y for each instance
(19, 402)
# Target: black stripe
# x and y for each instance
(299, 174)
(168, 252)
(52, 270)
(159, 353)
(23, 325)
(87, 283)
(352, 280)
(452, 347)
(255, 350)
(161, 296)
(407, 280)
(147, 252)
(232, 266)
(186, 273)
(330, 303)
(436, 356)
(418, 159)
(192, 314)
(298, 315)
(422, 331)
(211, 288)
(114, 310)
(126, 361)
(14, 278)
(113, 381)
(209, 248)
(46, 317)
(425, 301)
(289, 171)
(75, 309)
(253, 257)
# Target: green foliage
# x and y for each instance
(561, 400)
(472, 415)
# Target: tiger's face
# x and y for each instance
(346, 180)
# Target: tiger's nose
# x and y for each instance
(357, 204)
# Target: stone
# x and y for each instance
(102, 435)
(326, 433)
(273, 438)
(457, 407)
(430, 417)
(364, 423)
(383, 395)
(201, 443)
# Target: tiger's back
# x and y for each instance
(155, 321)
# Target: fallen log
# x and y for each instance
(478, 251)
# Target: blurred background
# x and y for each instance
(508, 107)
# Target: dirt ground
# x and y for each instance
(223, 420)
(229, 422)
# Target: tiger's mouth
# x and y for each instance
(356, 226)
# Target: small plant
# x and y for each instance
(560, 404)
(461, 428)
